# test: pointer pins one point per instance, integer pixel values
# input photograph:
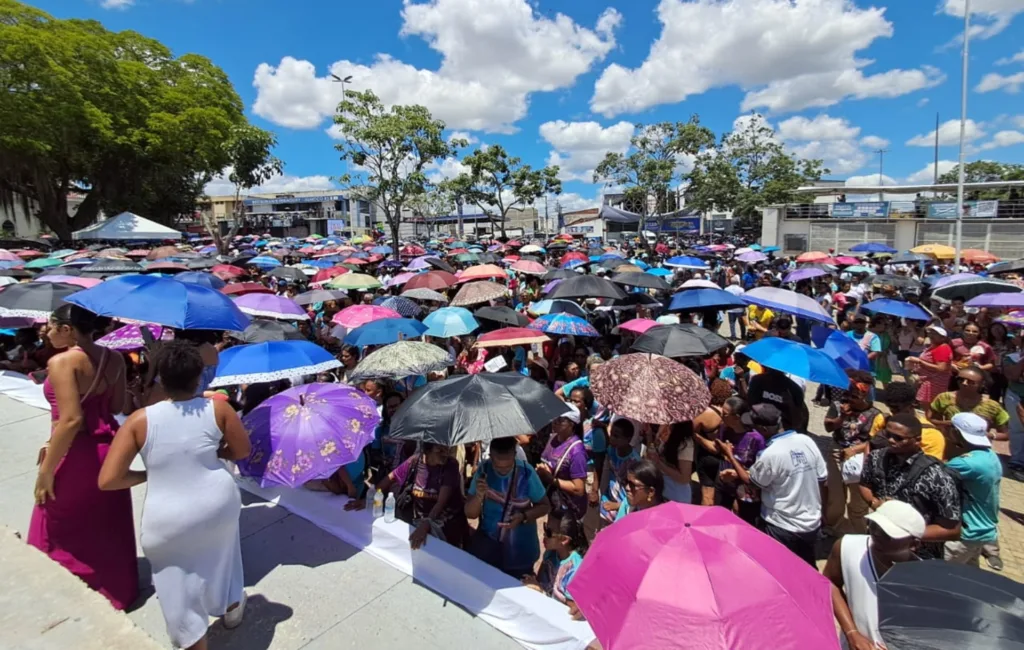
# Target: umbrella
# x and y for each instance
(753, 257)
(510, 336)
(242, 288)
(328, 273)
(307, 432)
(163, 301)
(898, 308)
(685, 340)
(574, 256)
(641, 279)
(165, 267)
(846, 260)
(682, 576)
(637, 326)
(424, 294)
(162, 252)
(700, 284)
(502, 315)
(528, 267)
(384, 331)
(871, 247)
(440, 265)
(436, 280)
(998, 300)
(649, 388)
(35, 299)
(261, 331)
(697, 299)
(475, 293)
(803, 274)
(258, 363)
(476, 408)
(634, 299)
(951, 279)
(43, 263)
(202, 264)
(945, 606)
(532, 248)
(587, 286)
(404, 306)
(357, 315)
(228, 270)
(400, 360)
(289, 273)
(972, 288)
(812, 256)
(908, 257)
(937, 251)
(564, 325)
(559, 274)
(544, 307)
(130, 337)
(483, 272)
(353, 281)
(788, 301)
(1014, 266)
(85, 283)
(628, 268)
(202, 279)
(797, 359)
(269, 306)
(112, 267)
(450, 321)
(897, 281)
(846, 352)
(318, 295)
(21, 274)
(8, 256)
(686, 262)
(264, 262)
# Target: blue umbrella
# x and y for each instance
(771, 249)
(695, 299)
(871, 247)
(450, 321)
(846, 352)
(384, 331)
(163, 301)
(797, 359)
(564, 324)
(897, 308)
(755, 247)
(320, 264)
(259, 363)
(611, 256)
(572, 264)
(404, 306)
(202, 279)
(685, 262)
(788, 301)
(382, 250)
(659, 272)
(265, 262)
(643, 265)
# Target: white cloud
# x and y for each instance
(803, 51)
(1009, 60)
(463, 135)
(443, 170)
(1019, 120)
(1003, 139)
(832, 139)
(989, 16)
(921, 103)
(949, 134)
(580, 146)
(282, 183)
(926, 174)
(874, 142)
(822, 127)
(994, 81)
(116, 4)
(571, 202)
(494, 54)
(869, 180)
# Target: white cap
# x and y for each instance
(898, 520)
(973, 428)
(938, 330)
(572, 414)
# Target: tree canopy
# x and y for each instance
(113, 115)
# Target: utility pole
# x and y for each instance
(963, 130)
(881, 156)
(935, 172)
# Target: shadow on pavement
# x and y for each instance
(258, 626)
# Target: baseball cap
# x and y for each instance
(938, 330)
(762, 415)
(898, 520)
(572, 414)
(973, 428)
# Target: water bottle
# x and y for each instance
(378, 504)
(389, 508)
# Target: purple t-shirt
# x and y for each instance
(574, 466)
(428, 483)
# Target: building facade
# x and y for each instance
(295, 214)
(18, 222)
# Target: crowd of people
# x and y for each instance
(909, 472)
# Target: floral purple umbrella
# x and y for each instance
(307, 432)
(129, 337)
(271, 306)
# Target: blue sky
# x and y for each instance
(564, 81)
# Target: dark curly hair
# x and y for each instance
(179, 365)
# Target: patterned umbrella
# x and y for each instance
(402, 359)
(424, 294)
(564, 324)
(436, 280)
(475, 293)
(407, 308)
(129, 337)
(545, 307)
(34, 299)
(270, 306)
(359, 315)
(259, 363)
(510, 336)
(650, 388)
(307, 432)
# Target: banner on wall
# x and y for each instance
(972, 209)
(335, 226)
(861, 210)
(675, 224)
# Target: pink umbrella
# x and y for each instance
(637, 325)
(357, 315)
(130, 338)
(86, 283)
(8, 256)
(484, 272)
(682, 576)
(529, 266)
(846, 260)
(511, 336)
(400, 279)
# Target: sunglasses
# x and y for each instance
(896, 437)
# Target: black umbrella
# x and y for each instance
(74, 271)
(487, 258)
(319, 295)
(530, 258)
(967, 289)
(587, 286)
(1010, 266)
(611, 264)
(17, 274)
(503, 315)
(559, 274)
(644, 280)
(34, 299)
(240, 260)
(685, 340)
(907, 257)
(937, 605)
(476, 408)
(261, 331)
(633, 299)
(202, 263)
(440, 264)
(898, 281)
(289, 273)
(111, 267)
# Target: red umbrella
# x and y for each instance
(508, 336)
(845, 260)
(660, 249)
(574, 256)
(412, 251)
(243, 288)
(374, 258)
(436, 280)
(515, 243)
(458, 251)
(511, 258)
(354, 260)
(326, 274)
(307, 250)
(228, 270)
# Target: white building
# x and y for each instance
(15, 221)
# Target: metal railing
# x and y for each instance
(936, 209)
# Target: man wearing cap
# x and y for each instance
(858, 562)
(980, 472)
(791, 475)
(869, 342)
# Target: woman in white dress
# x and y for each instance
(190, 515)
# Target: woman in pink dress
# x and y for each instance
(89, 532)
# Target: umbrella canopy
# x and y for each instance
(289, 273)
(945, 606)
(424, 294)
(684, 576)
(476, 408)
(699, 284)
(1013, 266)
(972, 288)
(162, 252)
(328, 273)
(559, 274)
(510, 336)
(165, 267)
(112, 267)
(897, 308)
(871, 247)
(544, 307)
(404, 306)
(797, 359)
(998, 300)
(450, 321)
(908, 257)
(937, 251)
(502, 315)
(484, 272)
(440, 264)
(400, 360)
(650, 388)
(353, 281)
(202, 264)
(564, 325)
(637, 326)
(242, 288)
(270, 306)
(951, 279)
(897, 281)
(264, 262)
(85, 283)
(358, 315)
(228, 270)
(130, 337)
(319, 295)
(803, 274)
(812, 256)
(163, 301)
(641, 279)
(686, 262)
(698, 299)
(436, 280)
(836, 344)
(261, 331)
(307, 432)
(587, 286)
(752, 257)
(528, 267)
(258, 363)
(35, 299)
(788, 301)
(202, 279)
(476, 293)
(43, 263)
(682, 340)
(385, 331)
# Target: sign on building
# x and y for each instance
(972, 209)
(579, 230)
(335, 226)
(861, 210)
(678, 224)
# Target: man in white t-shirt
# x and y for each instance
(737, 315)
(791, 474)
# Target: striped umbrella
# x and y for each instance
(510, 336)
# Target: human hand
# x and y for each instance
(725, 447)
(513, 522)
(593, 497)
(44, 487)
(544, 472)
(849, 453)
(858, 641)
(728, 475)
(355, 504)
(419, 536)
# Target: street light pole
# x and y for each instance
(963, 131)
(342, 81)
(881, 155)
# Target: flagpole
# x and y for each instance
(963, 130)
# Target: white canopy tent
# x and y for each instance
(127, 227)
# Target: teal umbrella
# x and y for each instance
(43, 263)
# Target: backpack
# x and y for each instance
(919, 466)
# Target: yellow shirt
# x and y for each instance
(760, 315)
(933, 443)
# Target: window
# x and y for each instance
(842, 236)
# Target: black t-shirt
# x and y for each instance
(782, 392)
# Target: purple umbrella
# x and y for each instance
(551, 285)
(788, 301)
(129, 337)
(956, 277)
(803, 274)
(752, 257)
(418, 264)
(998, 300)
(307, 432)
(271, 306)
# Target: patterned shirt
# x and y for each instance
(934, 493)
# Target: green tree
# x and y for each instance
(438, 201)
(250, 151)
(113, 115)
(387, 150)
(749, 169)
(986, 171)
(498, 183)
(648, 170)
